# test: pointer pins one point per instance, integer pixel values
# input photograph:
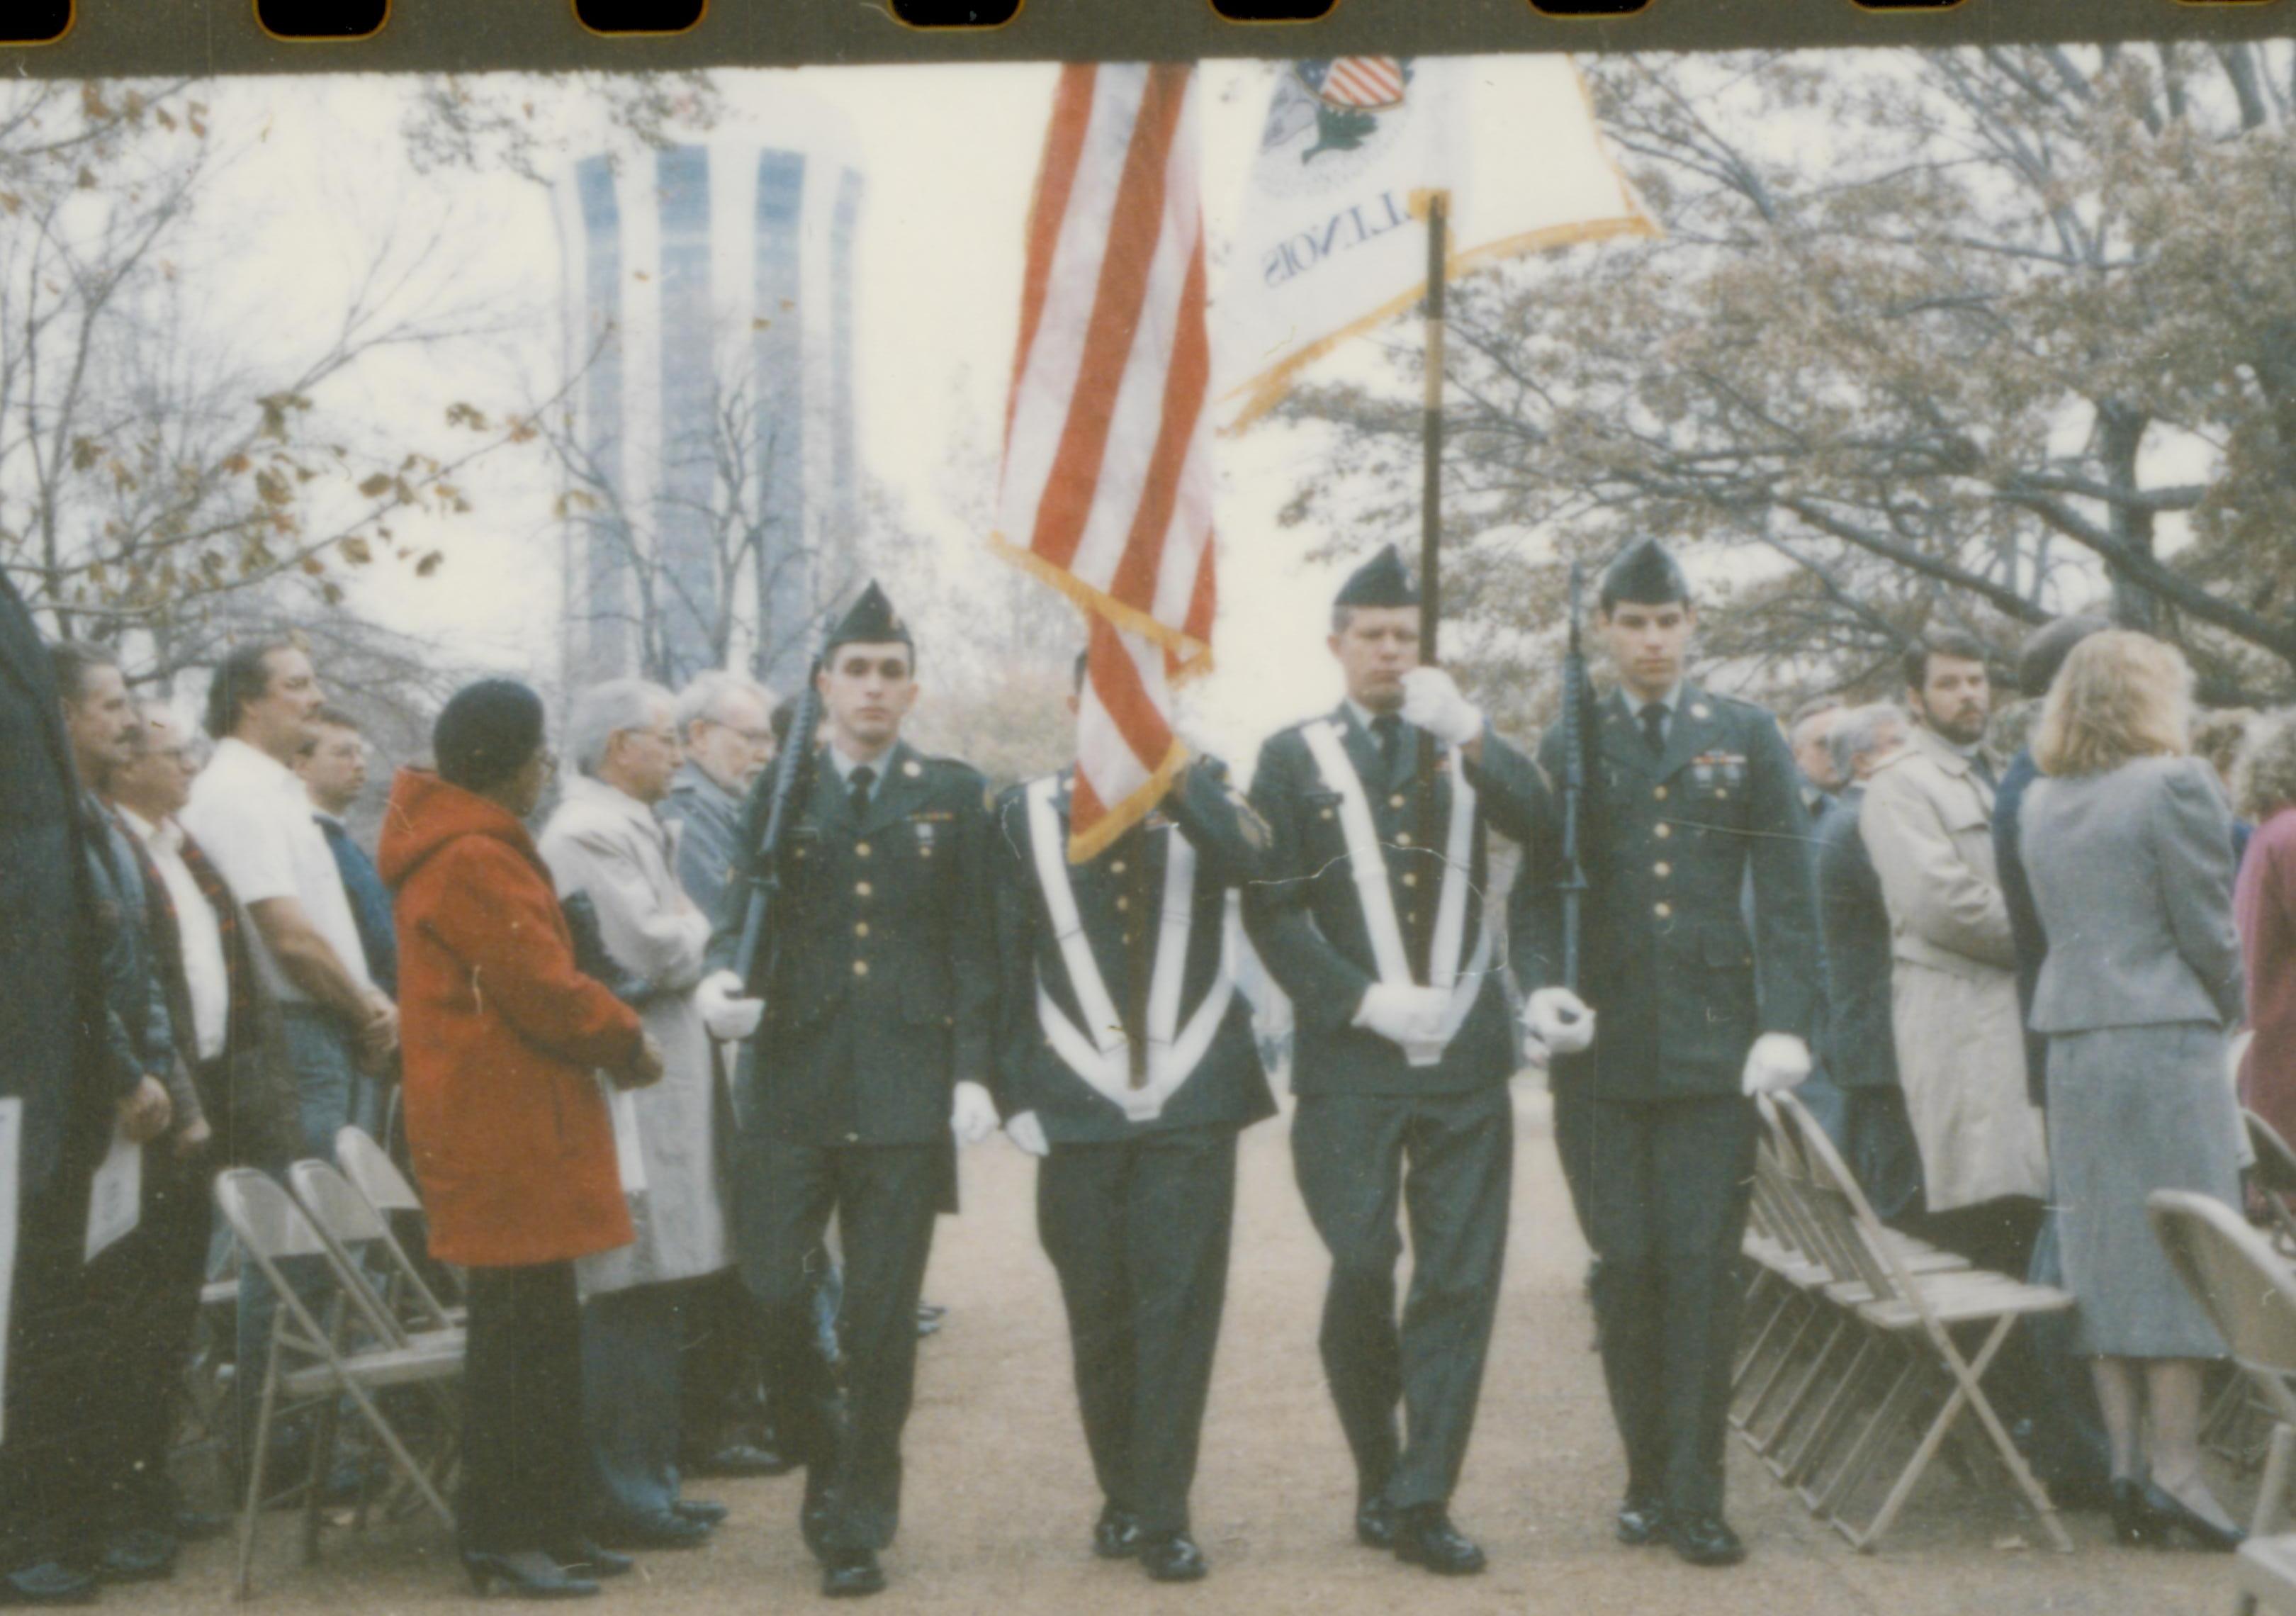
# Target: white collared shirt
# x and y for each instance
(252, 816)
(199, 932)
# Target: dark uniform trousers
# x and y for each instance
(885, 1198)
(1138, 1230)
(1449, 1158)
(1662, 1189)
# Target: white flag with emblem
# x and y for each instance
(1329, 244)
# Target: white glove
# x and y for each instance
(973, 1116)
(729, 1016)
(1405, 1015)
(1025, 1131)
(1778, 1060)
(1431, 700)
(1558, 1021)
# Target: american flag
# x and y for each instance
(1107, 491)
(1369, 82)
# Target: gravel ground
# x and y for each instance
(1000, 1497)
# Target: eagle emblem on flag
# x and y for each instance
(1346, 97)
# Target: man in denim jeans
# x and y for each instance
(249, 811)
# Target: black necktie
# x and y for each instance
(1654, 727)
(856, 793)
(1389, 728)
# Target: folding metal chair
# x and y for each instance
(1919, 1364)
(362, 1235)
(307, 1362)
(2248, 1290)
(369, 1166)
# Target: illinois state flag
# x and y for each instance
(1107, 486)
(1328, 243)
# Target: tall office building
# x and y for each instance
(708, 330)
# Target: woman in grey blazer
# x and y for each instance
(2127, 842)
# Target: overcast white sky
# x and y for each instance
(950, 155)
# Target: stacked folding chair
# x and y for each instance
(1866, 1348)
(367, 1165)
(2248, 1290)
(354, 1353)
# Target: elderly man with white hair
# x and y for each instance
(606, 841)
(725, 723)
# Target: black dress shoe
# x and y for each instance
(1642, 1519)
(47, 1582)
(2171, 1515)
(2134, 1525)
(709, 1511)
(668, 1530)
(581, 1557)
(1116, 1535)
(141, 1553)
(1703, 1540)
(1174, 1557)
(741, 1459)
(1425, 1535)
(530, 1574)
(851, 1574)
(1375, 1523)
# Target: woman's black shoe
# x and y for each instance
(2133, 1523)
(2171, 1513)
(529, 1574)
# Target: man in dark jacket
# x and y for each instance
(55, 1074)
(1698, 796)
(879, 992)
(1372, 922)
(1127, 1064)
(1859, 1049)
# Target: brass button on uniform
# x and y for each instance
(1403, 838)
(862, 889)
(1396, 800)
(1116, 868)
(1123, 903)
(861, 927)
(1660, 792)
(1410, 880)
(861, 967)
(1664, 911)
(860, 850)
(1661, 869)
(1662, 831)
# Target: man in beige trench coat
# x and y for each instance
(1927, 824)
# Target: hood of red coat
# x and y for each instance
(425, 814)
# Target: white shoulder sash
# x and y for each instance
(1368, 863)
(1100, 1056)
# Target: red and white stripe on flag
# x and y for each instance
(1107, 489)
(1364, 81)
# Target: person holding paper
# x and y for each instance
(1126, 1062)
(1655, 1067)
(510, 1134)
(64, 1103)
(1373, 924)
(605, 841)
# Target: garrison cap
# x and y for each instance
(870, 620)
(1383, 580)
(1646, 573)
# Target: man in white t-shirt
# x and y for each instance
(252, 814)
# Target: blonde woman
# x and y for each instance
(2264, 904)
(2127, 842)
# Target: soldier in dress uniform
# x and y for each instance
(1370, 916)
(1127, 1064)
(1652, 1117)
(879, 992)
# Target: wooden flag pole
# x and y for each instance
(1420, 936)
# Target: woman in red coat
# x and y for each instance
(2263, 907)
(513, 1144)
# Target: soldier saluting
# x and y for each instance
(879, 995)
(1405, 1044)
(1127, 1064)
(1652, 1115)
